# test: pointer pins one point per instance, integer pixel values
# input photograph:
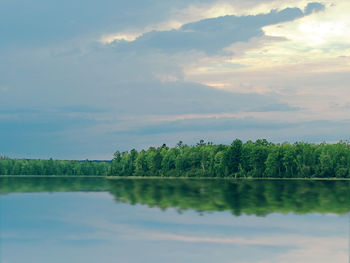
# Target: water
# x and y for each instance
(148, 220)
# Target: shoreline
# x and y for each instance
(224, 178)
(171, 178)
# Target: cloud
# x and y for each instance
(266, 74)
(261, 126)
(24, 24)
(327, 31)
(43, 133)
(305, 86)
(203, 35)
(142, 108)
(186, 98)
(205, 125)
(225, 130)
(313, 7)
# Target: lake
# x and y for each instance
(173, 220)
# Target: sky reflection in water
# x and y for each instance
(92, 227)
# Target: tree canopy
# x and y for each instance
(259, 159)
(52, 167)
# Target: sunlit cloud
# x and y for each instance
(199, 11)
(320, 38)
(302, 62)
(133, 34)
(149, 63)
(305, 86)
(319, 30)
(106, 39)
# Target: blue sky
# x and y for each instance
(82, 79)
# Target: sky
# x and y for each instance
(83, 79)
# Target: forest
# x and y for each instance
(259, 159)
(52, 167)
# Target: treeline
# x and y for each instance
(260, 159)
(52, 167)
(251, 197)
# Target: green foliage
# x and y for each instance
(52, 167)
(251, 159)
(260, 159)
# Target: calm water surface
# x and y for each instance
(148, 220)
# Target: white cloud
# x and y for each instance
(199, 11)
(303, 63)
(325, 29)
(128, 36)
